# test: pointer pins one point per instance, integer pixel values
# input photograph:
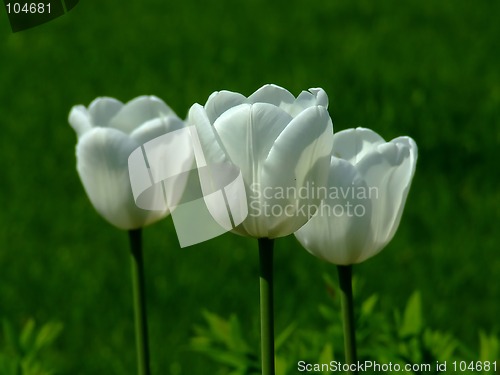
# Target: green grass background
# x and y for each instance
(428, 69)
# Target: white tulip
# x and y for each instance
(368, 184)
(279, 143)
(108, 131)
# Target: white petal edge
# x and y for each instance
(210, 149)
(306, 99)
(353, 144)
(79, 119)
(156, 128)
(389, 168)
(272, 94)
(220, 101)
(103, 109)
(138, 111)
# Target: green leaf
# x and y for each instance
(327, 312)
(47, 334)
(368, 305)
(326, 355)
(284, 335)
(225, 357)
(489, 347)
(222, 341)
(21, 355)
(27, 336)
(281, 365)
(236, 342)
(412, 324)
(441, 345)
(218, 328)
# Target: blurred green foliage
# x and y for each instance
(428, 69)
(25, 352)
(397, 339)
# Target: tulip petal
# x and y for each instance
(307, 137)
(389, 169)
(102, 110)
(79, 119)
(298, 161)
(220, 101)
(168, 148)
(138, 111)
(307, 99)
(272, 94)
(353, 144)
(320, 95)
(248, 133)
(156, 128)
(102, 163)
(214, 167)
(340, 229)
(211, 150)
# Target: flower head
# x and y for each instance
(368, 184)
(278, 142)
(108, 131)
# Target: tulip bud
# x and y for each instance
(108, 131)
(368, 184)
(279, 143)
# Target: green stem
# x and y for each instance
(141, 323)
(266, 305)
(345, 280)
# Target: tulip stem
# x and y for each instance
(141, 324)
(345, 281)
(266, 246)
